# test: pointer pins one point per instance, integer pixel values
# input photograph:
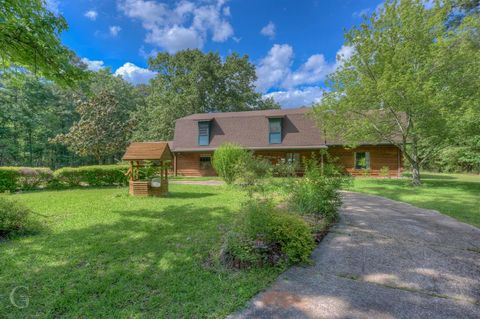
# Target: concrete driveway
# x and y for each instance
(384, 259)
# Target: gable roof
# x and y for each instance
(148, 151)
(249, 129)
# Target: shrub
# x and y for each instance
(9, 179)
(31, 178)
(317, 192)
(251, 171)
(98, 175)
(226, 159)
(365, 172)
(23, 178)
(265, 235)
(285, 169)
(385, 171)
(14, 218)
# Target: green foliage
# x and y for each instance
(317, 192)
(385, 171)
(30, 38)
(226, 160)
(410, 81)
(264, 235)
(148, 170)
(23, 178)
(9, 179)
(105, 122)
(190, 82)
(14, 218)
(120, 233)
(285, 169)
(97, 175)
(31, 178)
(251, 173)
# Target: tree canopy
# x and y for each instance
(29, 38)
(411, 81)
(105, 118)
(191, 82)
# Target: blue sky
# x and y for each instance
(293, 44)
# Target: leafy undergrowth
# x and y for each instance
(455, 195)
(108, 254)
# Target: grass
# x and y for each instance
(455, 195)
(196, 178)
(106, 254)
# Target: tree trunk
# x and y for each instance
(416, 174)
(415, 162)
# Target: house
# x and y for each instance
(285, 134)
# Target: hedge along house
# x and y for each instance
(279, 135)
(159, 156)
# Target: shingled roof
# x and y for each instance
(148, 151)
(250, 129)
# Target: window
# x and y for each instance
(362, 160)
(205, 162)
(275, 131)
(203, 133)
(293, 158)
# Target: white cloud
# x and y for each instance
(268, 30)
(114, 30)
(226, 11)
(297, 97)
(93, 65)
(343, 55)
(274, 70)
(314, 70)
(274, 67)
(209, 17)
(147, 54)
(361, 13)
(134, 74)
(296, 87)
(91, 14)
(53, 6)
(182, 25)
(175, 39)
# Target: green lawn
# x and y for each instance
(196, 178)
(456, 195)
(106, 254)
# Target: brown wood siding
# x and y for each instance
(188, 164)
(380, 156)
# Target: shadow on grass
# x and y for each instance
(149, 263)
(188, 195)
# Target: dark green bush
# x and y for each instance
(226, 159)
(265, 235)
(98, 175)
(23, 178)
(14, 218)
(9, 179)
(317, 192)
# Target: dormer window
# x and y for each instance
(203, 133)
(275, 130)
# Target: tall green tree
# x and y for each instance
(105, 119)
(194, 82)
(30, 38)
(396, 87)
